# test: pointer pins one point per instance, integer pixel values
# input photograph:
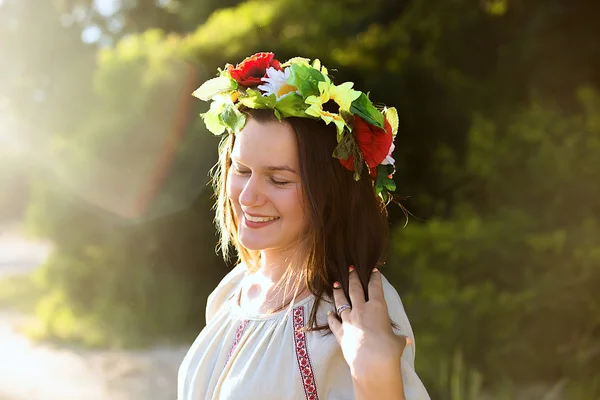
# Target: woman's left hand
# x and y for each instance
(365, 334)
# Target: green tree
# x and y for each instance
(511, 277)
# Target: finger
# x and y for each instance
(335, 325)
(375, 288)
(355, 289)
(339, 298)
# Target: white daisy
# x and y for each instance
(276, 83)
(389, 160)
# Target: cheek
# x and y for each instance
(292, 202)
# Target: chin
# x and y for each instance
(255, 244)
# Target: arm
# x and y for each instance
(387, 386)
(380, 359)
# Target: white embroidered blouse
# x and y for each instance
(240, 355)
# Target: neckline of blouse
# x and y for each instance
(245, 314)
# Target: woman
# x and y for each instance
(309, 230)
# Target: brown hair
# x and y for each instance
(347, 222)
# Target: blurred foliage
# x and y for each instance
(498, 143)
(21, 293)
(512, 278)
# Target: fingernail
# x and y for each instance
(375, 269)
(336, 284)
(328, 312)
(408, 340)
(351, 268)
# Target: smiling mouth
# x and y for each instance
(259, 219)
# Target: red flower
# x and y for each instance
(249, 72)
(374, 144)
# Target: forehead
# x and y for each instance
(266, 143)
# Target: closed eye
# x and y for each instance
(245, 172)
(238, 171)
(279, 183)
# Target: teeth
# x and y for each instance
(259, 219)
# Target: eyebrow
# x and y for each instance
(281, 168)
(273, 168)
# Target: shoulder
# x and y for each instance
(392, 297)
(413, 387)
(398, 314)
(224, 290)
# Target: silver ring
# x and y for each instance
(342, 308)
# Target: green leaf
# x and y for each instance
(292, 105)
(384, 184)
(296, 60)
(345, 147)
(213, 87)
(306, 79)
(390, 185)
(359, 163)
(367, 111)
(232, 118)
(213, 122)
(256, 100)
(391, 114)
(383, 170)
(212, 118)
(348, 118)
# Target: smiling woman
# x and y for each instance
(264, 187)
(309, 230)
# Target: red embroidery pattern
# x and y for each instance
(238, 336)
(306, 372)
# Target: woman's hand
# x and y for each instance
(366, 338)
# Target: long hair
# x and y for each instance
(348, 223)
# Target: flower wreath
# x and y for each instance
(299, 88)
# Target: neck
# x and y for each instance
(265, 289)
(273, 265)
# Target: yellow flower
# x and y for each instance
(343, 95)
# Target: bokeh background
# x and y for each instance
(106, 236)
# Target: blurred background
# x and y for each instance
(107, 249)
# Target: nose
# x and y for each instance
(252, 193)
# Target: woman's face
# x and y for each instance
(263, 185)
